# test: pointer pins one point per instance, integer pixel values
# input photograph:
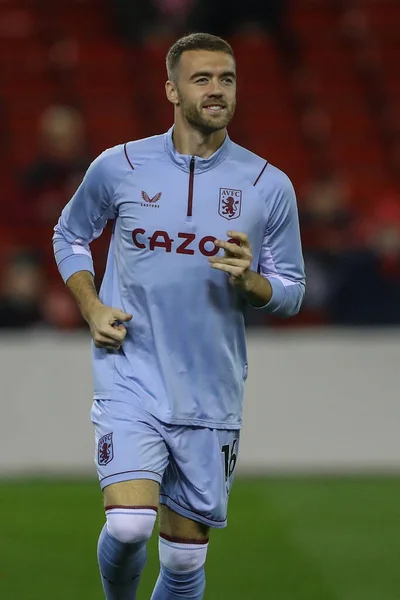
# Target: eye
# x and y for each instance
(228, 80)
(201, 80)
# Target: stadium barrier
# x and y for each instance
(316, 401)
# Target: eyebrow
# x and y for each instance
(208, 74)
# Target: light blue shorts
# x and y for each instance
(194, 465)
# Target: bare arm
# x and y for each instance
(100, 318)
(256, 288)
(81, 285)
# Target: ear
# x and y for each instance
(172, 92)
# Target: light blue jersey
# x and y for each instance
(184, 357)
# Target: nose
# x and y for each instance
(215, 89)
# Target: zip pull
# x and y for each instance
(191, 185)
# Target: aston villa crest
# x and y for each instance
(105, 449)
(230, 203)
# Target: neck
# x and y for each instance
(193, 142)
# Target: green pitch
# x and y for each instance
(287, 539)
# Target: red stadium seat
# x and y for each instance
(101, 56)
(358, 151)
(312, 19)
(348, 121)
(22, 148)
(384, 17)
(93, 88)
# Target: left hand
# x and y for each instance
(237, 258)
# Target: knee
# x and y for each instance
(131, 526)
(180, 557)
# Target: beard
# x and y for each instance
(195, 115)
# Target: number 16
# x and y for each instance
(230, 458)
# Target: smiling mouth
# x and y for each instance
(214, 108)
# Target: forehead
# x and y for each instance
(204, 60)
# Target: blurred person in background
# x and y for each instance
(227, 17)
(60, 310)
(326, 224)
(22, 291)
(133, 20)
(368, 293)
(61, 162)
(325, 211)
(139, 21)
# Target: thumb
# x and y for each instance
(120, 315)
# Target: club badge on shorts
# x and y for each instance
(230, 203)
(105, 449)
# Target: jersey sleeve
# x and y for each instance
(84, 218)
(281, 258)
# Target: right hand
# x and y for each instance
(103, 329)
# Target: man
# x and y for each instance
(21, 291)
(61, 162)
(169, 383)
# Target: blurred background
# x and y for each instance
(319, 97)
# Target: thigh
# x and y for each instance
(198, 479)
(143, 493)
(128, 446)
(175, 526)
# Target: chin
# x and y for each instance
(213, 125)
(208, 130)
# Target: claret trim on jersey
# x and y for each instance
(127, 157)
(259, 177)
(191, 185)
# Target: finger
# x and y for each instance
(239, 235)
(120, 315)
(232, 249)
(234, 271)
(107, 346)
(235, 262)
(113, 334)
(101, 341)
(121, 327)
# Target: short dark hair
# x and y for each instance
(195, 41)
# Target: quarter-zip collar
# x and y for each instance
(201, 164)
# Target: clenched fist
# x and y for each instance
(102, 322)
